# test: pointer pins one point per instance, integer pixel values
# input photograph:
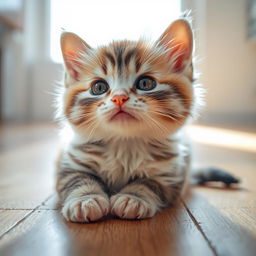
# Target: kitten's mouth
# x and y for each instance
(122, 115)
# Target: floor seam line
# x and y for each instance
(200, 229)
(25, 217)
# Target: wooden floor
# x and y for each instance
(207, 221)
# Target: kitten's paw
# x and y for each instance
(86, 208)
(128, 206)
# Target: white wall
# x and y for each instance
(13, 73)
(14, 104)
(28, 72)
(231, 64)
(227, 60)
(45, 77)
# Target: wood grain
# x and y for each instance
(226, 234)
(8, 219)
(227, 216)
(171, 232)
(27, 175)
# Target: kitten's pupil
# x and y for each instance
(100, 87)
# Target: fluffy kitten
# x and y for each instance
(125, 103)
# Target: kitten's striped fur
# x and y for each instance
(132, 166)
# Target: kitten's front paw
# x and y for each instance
(128, 206)
(86, 208)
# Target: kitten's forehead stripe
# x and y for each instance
(131, 53)
(111, 59)
(138, 64)
(119, 50)
(125, 56)
(104, 68)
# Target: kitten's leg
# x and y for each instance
(82, 195)
(143, 198)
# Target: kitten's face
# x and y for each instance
(127, 89)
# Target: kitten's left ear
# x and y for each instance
(178, 40)
(72, 47)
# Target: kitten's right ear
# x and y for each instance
(72, 47)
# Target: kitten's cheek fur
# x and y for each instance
(86, 208)
(128, 206)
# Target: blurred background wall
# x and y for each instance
(226, 58)
(225, 54)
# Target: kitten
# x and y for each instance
(125, 103)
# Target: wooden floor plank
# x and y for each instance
(226, 215)
(171, 232)
(226, 234)
(14, 135)
(10, 218)
(27, 175)
(245, 217)
(51, 203)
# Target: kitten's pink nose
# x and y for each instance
(119, 100)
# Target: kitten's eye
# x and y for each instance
(99, 88)
(146, 83)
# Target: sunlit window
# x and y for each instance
(100, 21)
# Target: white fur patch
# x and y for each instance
(127, 206)
(85, 208)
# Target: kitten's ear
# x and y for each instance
(72, 46)
(178, 40)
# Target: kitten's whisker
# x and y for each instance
(172, 98)
(161, 114)
(90, 121)
(159, 125)
(154, 129)
(93, 124)
(61, 118)
(168, 116)
(93, 129)
(173, 114)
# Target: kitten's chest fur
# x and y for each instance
(119, 161)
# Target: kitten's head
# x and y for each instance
(129, 89)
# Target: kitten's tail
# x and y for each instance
(210, 174)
